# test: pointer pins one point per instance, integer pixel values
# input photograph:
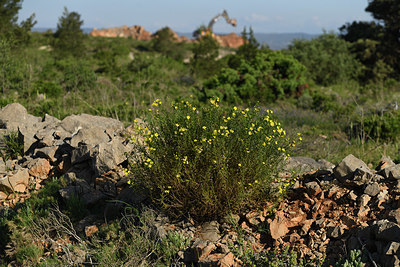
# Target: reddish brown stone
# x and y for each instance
(227, 261)
(91, 230)
(39, 168)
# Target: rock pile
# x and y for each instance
(329, 211)
(88, 150)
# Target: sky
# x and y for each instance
(264, 16)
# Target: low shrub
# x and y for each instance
(11, 146)
(209, 161)
(384, 126)
(269, 76)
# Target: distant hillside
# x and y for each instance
(278, 41)
(275, 41)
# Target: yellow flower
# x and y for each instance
(204, 127)
(234, 108)
(188, 117)
(240, 165)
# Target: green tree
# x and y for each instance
(250, 47)
(167, 44)
(9, 28)
(69, 36)
(328, 59)
(381, 35)
(387, 12)
(205, 54)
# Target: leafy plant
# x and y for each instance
(328, 59)
(170, 245)
(69, 35)
(209, 161)
(267, 77)
(12, 146)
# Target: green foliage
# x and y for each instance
(269, 76)
(250, 47)
(355, 259)
(352, 32)
(385, 30)
(166, 44)
(29, 255)
(384, 125)
(12, 147)
(170, 245)
(210, 161)
(49, 88)
(11, 76)
(8, 22)
(205, 53)
(69, 36)
(78, 74)
(328, 59)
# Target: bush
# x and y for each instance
(205, 53)
(12, 147)
(385, 126)
(69, 35)
(210, 161)
(270, 75)
(327, 58)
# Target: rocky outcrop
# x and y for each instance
(136, 32)
(231, 40)
(84, 148)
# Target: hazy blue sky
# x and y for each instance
(268, 16)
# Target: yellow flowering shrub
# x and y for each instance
(208, 161)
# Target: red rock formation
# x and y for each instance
(231, 40)
(136, 32)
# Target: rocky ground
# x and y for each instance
(329, 211)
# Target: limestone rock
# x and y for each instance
(10, 181)
(346, 168)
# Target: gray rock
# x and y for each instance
(302, 164)
(210, 231)
(80, 154)
(14, 116)
(372, 189)
(48, 119)
(326, 165)
(363, 200)
(82, 190)
(107, 156)
(392, 172)
(90, 137)
(346, 168)
(74, 123)
(47, 153)
(9, 182)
